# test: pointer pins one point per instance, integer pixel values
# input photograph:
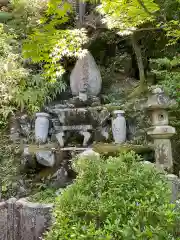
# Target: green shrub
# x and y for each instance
(20, 87)
(47, 195)
(114, 198)
(26, 15)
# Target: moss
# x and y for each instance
(44, 196)
(139, 91)
(116, 148)
(33, 148)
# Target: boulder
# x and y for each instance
(89, 154)
(86, 76)
(60, 178)
(28, 160)
(45, 158)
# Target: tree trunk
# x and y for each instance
(137, 51)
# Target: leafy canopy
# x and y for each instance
(127, 15)
(55, 40)
(21, 86)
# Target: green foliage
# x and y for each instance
(26, 15)
(46, 196)
(50, 44)
(167, 71)
(11, 72)
(127, 15)
(9, 164)
(114, 198)
(20, 88)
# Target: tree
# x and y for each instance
(129, 17)
(58, 39)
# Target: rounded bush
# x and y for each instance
(113, 199)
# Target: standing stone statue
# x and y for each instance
(86, 76)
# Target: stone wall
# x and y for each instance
(22, 220)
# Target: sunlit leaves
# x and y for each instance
(49, 45)
(127, 14)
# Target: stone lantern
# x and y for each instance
(158, 103)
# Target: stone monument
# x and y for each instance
(158, 103)
(86, 76)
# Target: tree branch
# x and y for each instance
(124, 29)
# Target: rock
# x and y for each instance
(58, 192)
(28, 159)
(22, 191)
(148, 163)
(14, 136)
(86, 76)
(21, 182)
(89, 154)
(45, 158)
(60, 178)
(25, 124)
(102, 134)
(174, 185)
(131, 128)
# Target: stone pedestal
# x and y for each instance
(162, 144)
(160, 131)
(163, 153)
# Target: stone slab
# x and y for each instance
(74, 128)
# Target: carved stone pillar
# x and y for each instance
(158, 104)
